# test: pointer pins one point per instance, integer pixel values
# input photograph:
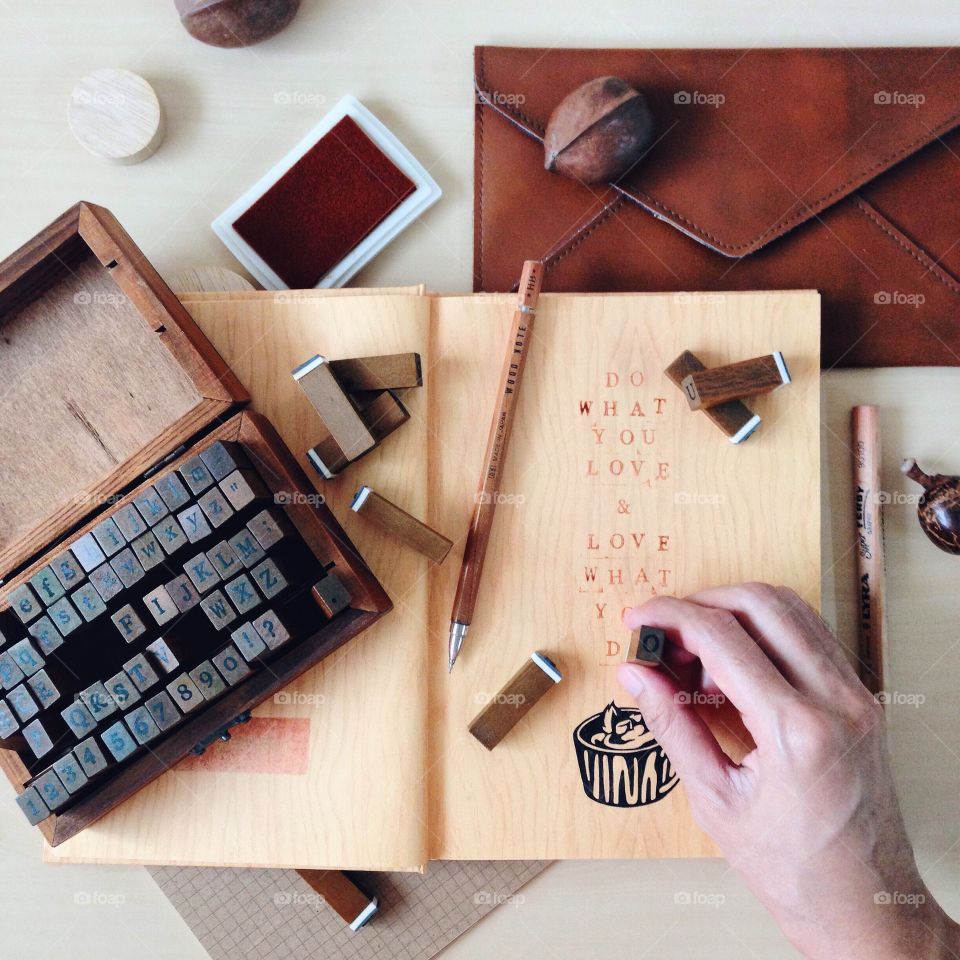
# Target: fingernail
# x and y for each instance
(631, 679)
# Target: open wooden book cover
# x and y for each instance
(614, 491)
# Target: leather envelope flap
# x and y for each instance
(749, 143)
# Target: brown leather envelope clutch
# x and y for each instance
(771, 169)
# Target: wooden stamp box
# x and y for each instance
(105, 380)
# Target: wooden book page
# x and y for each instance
(614, 491)
(329, 774)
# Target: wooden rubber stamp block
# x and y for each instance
(223, 458)
(172, 491)
(140, 672)
(242, 593)
(165, 714)
(91, 757)
(225, 560)
(249, 642)
(32, 805)
(735, 381)
(331, 595)
(194, 523)
(151, 506)
(100, 704)
(342, 895)
(382, 414)
(79, 719)
(71, 774)
(734, 418)
(246, 547)
(54, 793)
(130, 522)
(647, 646)
(171, 535)
(272, 629)
(24, 603)
(334, 406)
(231, 666)
(127, 567)
(106, 582)
(9, 724)
(208, 681)
(395, 371)
(269, 577)
(48, 637)
(47, 585)
(196, 475)
(142, 725)
(218, 610)
(123, 690)
(243, 487)
(65, 617)
(515, 700)
(116, 116)
(109, 536)
(401, 524)
(270, 528)
(38, 738)
(128, 622)
(214, 504)
(88, 552)
(119, 741)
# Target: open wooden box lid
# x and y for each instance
(103, 373)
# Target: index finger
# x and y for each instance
(731, 657)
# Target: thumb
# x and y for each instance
(679, 729)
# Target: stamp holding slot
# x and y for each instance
(335, 407)
(647, 645)
(734, 418)
(735, 381)
(405, 527)
(515, 700)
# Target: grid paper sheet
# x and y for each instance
(275, 915)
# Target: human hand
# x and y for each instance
(810, 816)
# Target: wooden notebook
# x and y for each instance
(614, 491)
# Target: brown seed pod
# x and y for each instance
(599, 131)
(939, 507)
(235, 23)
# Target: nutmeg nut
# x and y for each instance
(599, 131)
(235, 23)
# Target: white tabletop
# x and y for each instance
(230, 115)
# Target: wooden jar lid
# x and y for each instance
(116, 115)
(209, 280)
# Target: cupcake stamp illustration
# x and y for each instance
(621, 765)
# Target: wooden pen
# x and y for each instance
(486, 499)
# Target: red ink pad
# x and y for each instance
(330, 206)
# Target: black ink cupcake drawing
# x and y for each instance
(621, 765)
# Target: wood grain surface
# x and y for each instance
(357, 703)
(615, 491)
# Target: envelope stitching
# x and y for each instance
(579, 236)
(511, 113)
(915, 252)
